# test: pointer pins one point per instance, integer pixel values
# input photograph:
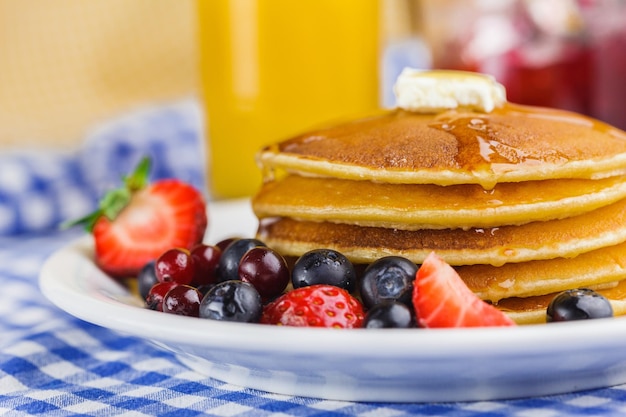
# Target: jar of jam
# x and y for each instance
(568, 54)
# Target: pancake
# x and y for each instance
(533, 278)
(511, 144)
(426, 206)
(496, 246)
(524, 202)
(532, 310)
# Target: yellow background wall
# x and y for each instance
(67, 64)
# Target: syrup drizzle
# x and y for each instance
(481, 147)
(485, 145)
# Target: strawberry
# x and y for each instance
(318, 305)
(441, 299)
(139, 221)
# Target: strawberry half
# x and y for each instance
(318, 305)
(139, 221)
(441, 299)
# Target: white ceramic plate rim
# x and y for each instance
(70, 280)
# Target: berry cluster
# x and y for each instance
(243, 280)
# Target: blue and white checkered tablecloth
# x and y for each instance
(53, 364)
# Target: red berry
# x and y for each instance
(139, 221)
(154, 300)
(175, 265)
(205, 261)
(315, 306)
(266, 270)
(182, 300)
(441, 299)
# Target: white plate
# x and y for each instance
(355, 365)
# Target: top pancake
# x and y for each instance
(511, 144)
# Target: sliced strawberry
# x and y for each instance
(441, 299)
(137, 223)
(318, 305)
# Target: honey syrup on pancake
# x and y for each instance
(512, 143)
(490, 143)
(481, 146)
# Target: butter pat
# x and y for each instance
(433, 91)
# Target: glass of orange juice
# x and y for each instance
(275, 68)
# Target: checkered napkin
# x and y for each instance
(53, 364)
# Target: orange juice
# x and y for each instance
(274, 68)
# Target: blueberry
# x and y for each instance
(232, 301)
(228, 267)
(146, 279)
(324, 266)
(578, 304)
(389, 314)
(388, 279)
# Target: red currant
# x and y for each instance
(266, 270)
(175, 265)
(205, 260)
(154, 300)
(231, 257)
(182, 300)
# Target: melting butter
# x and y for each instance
(433, 91)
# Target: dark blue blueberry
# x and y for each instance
(204, 289)
(324, 266)
(232, 301)
(228, 267)
(389, 314)
(578, 304)
(146, 279)
(388, 279)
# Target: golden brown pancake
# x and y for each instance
(426, 206)
(524, 202)
(526, 279)
(494, 246)
(513, 143)
(532, 310)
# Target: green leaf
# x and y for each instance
(138, 179)
(88, 221)
(115, 200)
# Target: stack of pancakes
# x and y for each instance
(524, 202)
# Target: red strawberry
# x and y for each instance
(315, 306)
(138, 222)
(441, 299)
